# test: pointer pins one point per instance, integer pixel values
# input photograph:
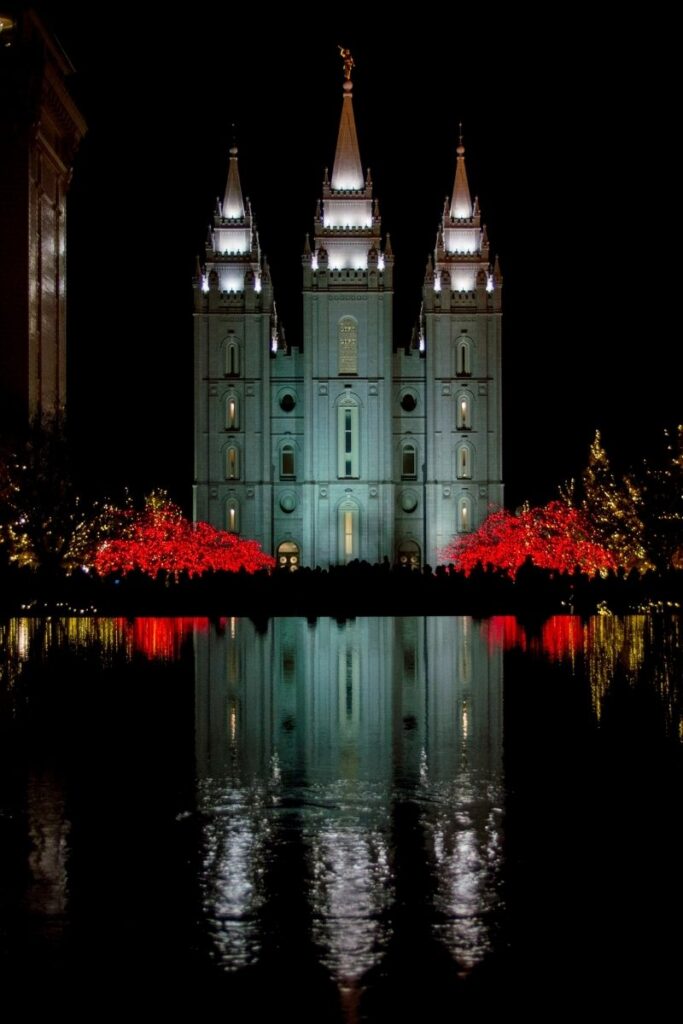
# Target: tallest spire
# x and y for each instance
(233, 203)
(347, 172)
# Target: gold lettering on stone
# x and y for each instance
(348, 345)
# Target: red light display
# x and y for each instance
(555, 537)
(160, 539)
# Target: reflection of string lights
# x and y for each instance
(608, 645)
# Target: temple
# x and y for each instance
(344, 446)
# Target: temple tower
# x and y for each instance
(347, 293)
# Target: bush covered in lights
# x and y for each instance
(555, 536)
(161, 539)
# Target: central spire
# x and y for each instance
(233, 203)
(347, 173)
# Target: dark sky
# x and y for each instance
(569, 146)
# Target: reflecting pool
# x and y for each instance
(364, 820)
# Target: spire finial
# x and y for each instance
(348, 62)
(461, 145)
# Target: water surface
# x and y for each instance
(363, 820)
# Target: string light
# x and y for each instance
(555, 536)
(160, 539)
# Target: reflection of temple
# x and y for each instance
(314, 736)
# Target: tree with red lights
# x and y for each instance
(555, 536)
(161, 539)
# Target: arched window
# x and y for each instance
(232, 359)
(231, 412)
(349, 532)
(287, 461)
(463, 357)
(463, 462)
(347, 439)
(408, 462)
(347, 337)
(232, 516)
(464, 514)
(232, 463)
(463, 413)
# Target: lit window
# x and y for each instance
(232, 413)
(408, 462)
(348, 531)
(464, 514)
(464, 412)
(347, 425)
(232, 463)
(463, 358)
(464, 462)
(287, 465)
(348, 345)
(233, 516)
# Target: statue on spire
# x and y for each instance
(348, 62)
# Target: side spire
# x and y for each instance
(347, 172)
(233, 202)
(461, 203)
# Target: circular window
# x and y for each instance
(408, 401)
(287, 502)
(287, 402)
(408, 501)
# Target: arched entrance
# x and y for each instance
(409, 554)
(288, 556)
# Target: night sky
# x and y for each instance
(569, 147)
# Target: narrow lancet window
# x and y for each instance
(463, 358)
(348, 441)
(464, 412)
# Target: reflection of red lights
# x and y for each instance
(161, 638)
(503, 632)
(562, 636)
(554, 537)
(160, 539)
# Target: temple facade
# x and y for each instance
(345, 447)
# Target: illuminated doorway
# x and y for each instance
(288, 556)
(409, 554)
